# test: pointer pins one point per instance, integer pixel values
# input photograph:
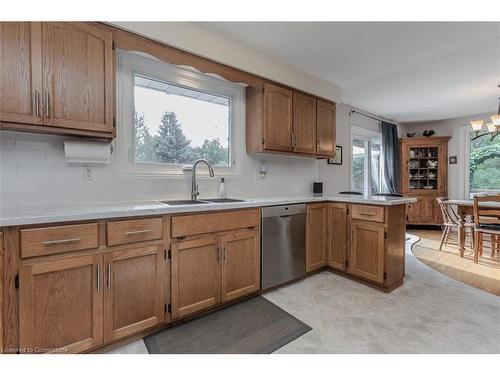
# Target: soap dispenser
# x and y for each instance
(222, 188)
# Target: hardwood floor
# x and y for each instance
(485, 275)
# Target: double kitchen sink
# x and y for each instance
(200, 201)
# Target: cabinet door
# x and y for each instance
(20, 72)
(195, 275)
(277, 118)
(316, 236)
(240, 264)
(78, 76)
(366, 256)
(60, 304)
(134, 291)
(304, 123)
(337, 235)
(325, 128)
(413, 212)
(427, 210)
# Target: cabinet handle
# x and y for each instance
(131, 232)
(59, 242)
(224, 254)
(109, 277)
(37, 103)
(98, 278)
(47, 104)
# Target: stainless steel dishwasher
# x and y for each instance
(283, 244)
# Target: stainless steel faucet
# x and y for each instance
(194, 185)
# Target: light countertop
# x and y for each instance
(52, 214)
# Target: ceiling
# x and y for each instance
(407, 72)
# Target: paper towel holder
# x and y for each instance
(87, 152)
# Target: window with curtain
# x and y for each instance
(366, 166)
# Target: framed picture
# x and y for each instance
(337, 160)
(452, 160)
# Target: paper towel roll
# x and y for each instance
(87, 152)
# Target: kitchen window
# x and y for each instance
(482, 158)
(170, 116)
(366, 165)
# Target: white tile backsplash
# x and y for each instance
(33, 172)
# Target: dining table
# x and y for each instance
(465, 208)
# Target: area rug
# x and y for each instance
(255, 326)
(485, 275)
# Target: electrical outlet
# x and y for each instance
(88, 173)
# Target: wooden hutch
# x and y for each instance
(424, 176)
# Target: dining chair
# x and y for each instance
(451, 220)
(487, 222)
(350, 193)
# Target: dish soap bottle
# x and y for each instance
(222, 188)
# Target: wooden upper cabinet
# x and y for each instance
(78, 76)
(304, 124)
(133, 291)
(316, 236)
(366, 256)
(20, 72)
(195, 275)
(287, 121)
(337, 235)
(240, 264)
(60, 304)
(325, 128)
(277, 118)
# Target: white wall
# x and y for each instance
(450, 128)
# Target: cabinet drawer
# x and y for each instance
(130, 231)
(190, 225)
(53, 240)
(368, 213)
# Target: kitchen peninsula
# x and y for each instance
(70, 272)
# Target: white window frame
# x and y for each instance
(464, 163)
(130, 64)
(366, 135)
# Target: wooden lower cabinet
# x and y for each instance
(134, 296)
(424, 211)
(316, 236)
(212, 269)
(241, 264)
(368, 242)
(337, 235)
(61, 305)
(366, 256)
(76, 303)
(195, 275)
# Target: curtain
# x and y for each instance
(392, 162)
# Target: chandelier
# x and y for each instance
(493, 126)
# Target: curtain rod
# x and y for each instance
(362, 114)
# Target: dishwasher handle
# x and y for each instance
(284, 211)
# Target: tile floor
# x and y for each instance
(430, 313)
